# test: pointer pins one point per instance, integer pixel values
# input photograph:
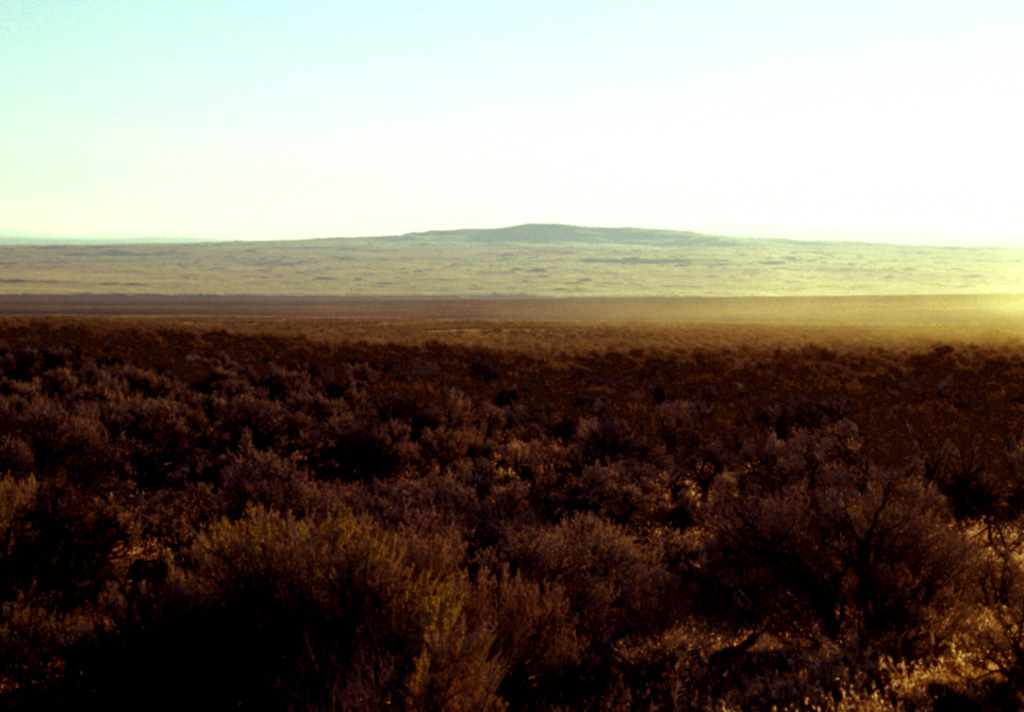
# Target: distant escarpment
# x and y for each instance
(522, 261)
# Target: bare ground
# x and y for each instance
(972, 309)
(559, 323)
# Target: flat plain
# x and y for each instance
(545, 261)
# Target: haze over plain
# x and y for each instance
(273, 120)
(527, 261)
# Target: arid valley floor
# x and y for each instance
(313, 501)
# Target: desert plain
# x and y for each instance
(723, 494)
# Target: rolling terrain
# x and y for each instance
(528, 261)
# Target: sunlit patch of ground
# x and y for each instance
(569, 323)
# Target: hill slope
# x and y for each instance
(527, 260)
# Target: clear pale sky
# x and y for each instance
(267, 119)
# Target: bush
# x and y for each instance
(333, 613)
(866, 558)
(587, 518)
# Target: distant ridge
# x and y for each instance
(532, 260)
(530, 233)
(28, 237)
(546, 233)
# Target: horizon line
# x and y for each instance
(797, 233)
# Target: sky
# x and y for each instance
(266, 119)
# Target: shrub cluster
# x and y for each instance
(205, 520)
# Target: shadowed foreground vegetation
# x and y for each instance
(198, 518)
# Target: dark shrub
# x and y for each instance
(870, 559)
